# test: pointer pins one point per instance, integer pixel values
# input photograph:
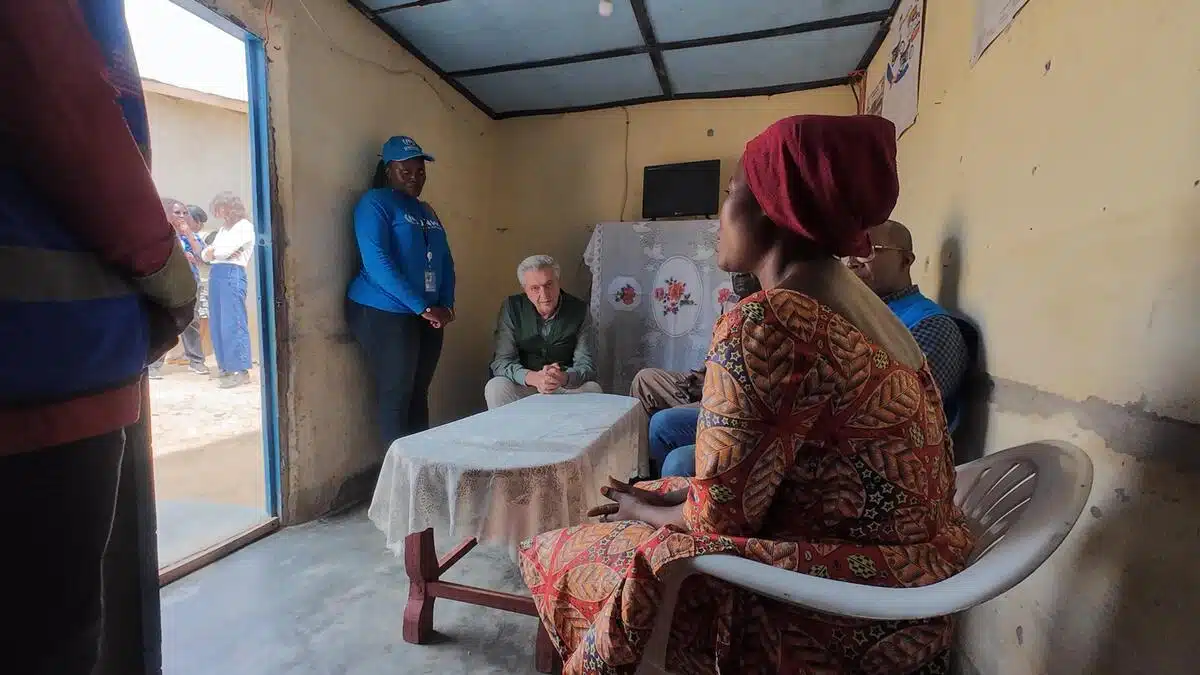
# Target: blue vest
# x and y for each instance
(69, 325)
(912, 309)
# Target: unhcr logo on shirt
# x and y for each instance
(426, 223)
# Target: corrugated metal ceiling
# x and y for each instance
(524, 57)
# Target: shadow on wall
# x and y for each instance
(1142, 554)
(971, 434)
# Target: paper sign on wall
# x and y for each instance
(894, 95)
(992, 17)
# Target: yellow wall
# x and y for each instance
(1066, 164)
(557, 176)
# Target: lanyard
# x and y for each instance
(425, 236)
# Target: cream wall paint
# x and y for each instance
(199, 150)
(1053, 192)
(1065, 163)
(557, 176)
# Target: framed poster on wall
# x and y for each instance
(895, 90)
(903, 72)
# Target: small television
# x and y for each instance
(681, 190)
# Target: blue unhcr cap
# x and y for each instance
(400, 148)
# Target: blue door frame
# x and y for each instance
(264, 264)
(264, 261)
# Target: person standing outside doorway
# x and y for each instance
(231, 251)
(403, 295)
(193, 246)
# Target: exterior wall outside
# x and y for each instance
(1052, 194)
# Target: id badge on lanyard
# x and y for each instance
(430, 277)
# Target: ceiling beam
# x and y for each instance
(794, 29)
(391, 32)
(556, 61)
(406, 5)
(880, 36)
(642, 15)
(772, 90)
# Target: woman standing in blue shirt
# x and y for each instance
(403, 294)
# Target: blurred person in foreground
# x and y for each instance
(93, 287)
(821, 449)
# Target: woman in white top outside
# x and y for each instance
(230, 252)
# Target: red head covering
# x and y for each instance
(826, 178)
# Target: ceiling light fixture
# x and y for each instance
(606, 8)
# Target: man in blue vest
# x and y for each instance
(887, 271)
(545, 342)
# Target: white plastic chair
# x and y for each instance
(1020, 503)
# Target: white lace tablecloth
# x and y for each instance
(507, 474)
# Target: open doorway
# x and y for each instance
(212, 400)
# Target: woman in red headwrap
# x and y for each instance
(822, 447)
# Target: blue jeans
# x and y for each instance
(680, 462)
(670, 429)
(227, 312)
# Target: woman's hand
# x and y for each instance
(437, 316)
(647, 497)
(634, 503)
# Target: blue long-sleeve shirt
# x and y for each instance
(399, 238)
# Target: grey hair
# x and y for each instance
(229, 201)
(537, 262)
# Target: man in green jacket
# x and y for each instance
(545, 340)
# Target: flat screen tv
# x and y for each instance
(681, 190)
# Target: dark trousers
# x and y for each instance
(58, 508)
(193, 346)
(402, 352)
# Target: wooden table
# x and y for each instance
(498, 478)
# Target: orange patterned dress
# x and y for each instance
(816, 452)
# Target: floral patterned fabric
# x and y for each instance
(656, 295)
(817, 452)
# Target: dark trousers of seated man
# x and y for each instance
(672, 400)
(58, 506)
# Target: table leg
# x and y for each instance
(425, 586)
(421, 564)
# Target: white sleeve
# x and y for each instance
(239, 237)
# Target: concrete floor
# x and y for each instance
(327, 599)
(187, 527)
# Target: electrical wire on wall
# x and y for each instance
(858, 87)
(625, 185)
(336, 47)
